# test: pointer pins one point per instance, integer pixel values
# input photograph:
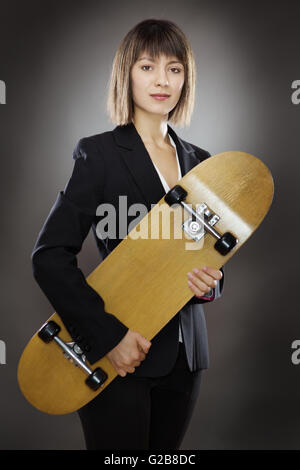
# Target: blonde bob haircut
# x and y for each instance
(154, 37)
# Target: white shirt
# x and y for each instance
(167, 188)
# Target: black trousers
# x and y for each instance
(143, 412)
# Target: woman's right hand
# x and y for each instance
(129, 352)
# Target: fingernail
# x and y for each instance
(196, 270)
(204, 268)
(190, 275)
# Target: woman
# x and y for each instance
(150, 402)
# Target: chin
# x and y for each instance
(157, 109)
(161, 110)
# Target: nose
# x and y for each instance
(161, 78)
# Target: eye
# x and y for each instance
(174, 69)
(145, 66)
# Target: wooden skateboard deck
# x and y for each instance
(143, 282)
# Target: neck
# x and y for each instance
(152, 128)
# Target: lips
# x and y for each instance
(160, 96)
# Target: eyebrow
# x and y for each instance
(151, 59)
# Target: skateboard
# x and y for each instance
(203, 220)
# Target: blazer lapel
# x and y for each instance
(139, 163)
(186, 153)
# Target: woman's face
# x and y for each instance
(152, 77)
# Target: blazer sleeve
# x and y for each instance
(216, 292)
(54, 260)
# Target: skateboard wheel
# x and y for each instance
(96, 379)
(175, 195)
(48, 331)
(225, 244)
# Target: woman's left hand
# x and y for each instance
(201, 281)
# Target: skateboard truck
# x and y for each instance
(196, 229)
(224, 244)
(74, 353)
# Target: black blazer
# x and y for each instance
(106, 166)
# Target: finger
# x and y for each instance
(120, 368)
(215, 273)
(205, 278)
(125, 370)
(128, 366)
(202, 286)
(143, 344)
(142, 357)
(135, 362)
(209, 275)
(196, 291)
(121, 372)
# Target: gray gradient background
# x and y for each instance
(55, 58)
